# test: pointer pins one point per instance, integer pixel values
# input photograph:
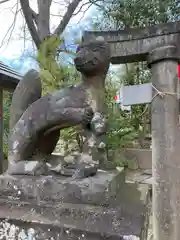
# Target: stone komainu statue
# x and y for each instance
(36, 121)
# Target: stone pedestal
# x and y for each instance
(51, 207)
(100, 189)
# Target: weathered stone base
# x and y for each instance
(106, 208)
(100, 189)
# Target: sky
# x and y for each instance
(16, 52)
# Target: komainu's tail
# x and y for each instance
(28, 90)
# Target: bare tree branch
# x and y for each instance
(3, 1)
(80, 9)
(24, 30)
(34, 15)
(75, 13)
(11, 28)
(24, 34)
(70, 10)
(14, 6)
(27, 11)
(84, 13)
(56, 15)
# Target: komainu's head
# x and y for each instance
(93, 57)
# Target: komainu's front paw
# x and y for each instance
(98, 124)
(88, 115)
(85, 170)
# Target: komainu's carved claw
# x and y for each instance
(85, 170)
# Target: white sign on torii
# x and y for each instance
(136, 94)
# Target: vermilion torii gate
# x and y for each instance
(159, 46)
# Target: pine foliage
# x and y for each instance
(53, 73)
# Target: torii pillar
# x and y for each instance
(163, 62)
(133, 45)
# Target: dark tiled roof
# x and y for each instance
(9, 78)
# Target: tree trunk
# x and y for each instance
(39, 23)
(43, 19)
